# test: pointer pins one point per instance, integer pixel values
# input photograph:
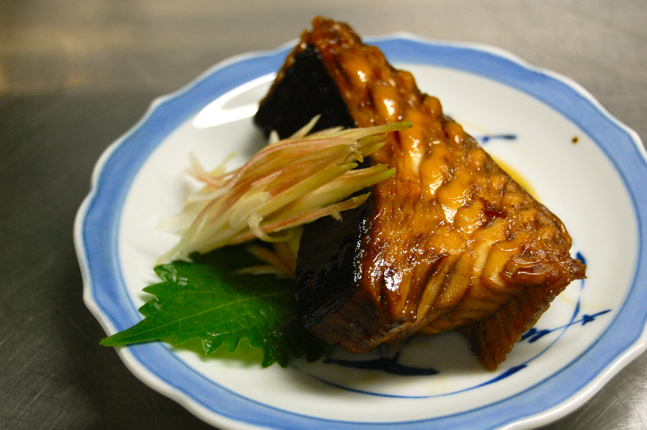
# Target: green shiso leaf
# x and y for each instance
(209, 301)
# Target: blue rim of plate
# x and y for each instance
(105, 293)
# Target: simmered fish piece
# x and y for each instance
(450, 241)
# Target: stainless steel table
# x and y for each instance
(74, 75)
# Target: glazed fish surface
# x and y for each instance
(449, 242)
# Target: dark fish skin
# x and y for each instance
(305, 91)
(450, 242)
(330, 301)
(329, 258)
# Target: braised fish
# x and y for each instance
(449, 242)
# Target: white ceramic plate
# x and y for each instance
(527, 118)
